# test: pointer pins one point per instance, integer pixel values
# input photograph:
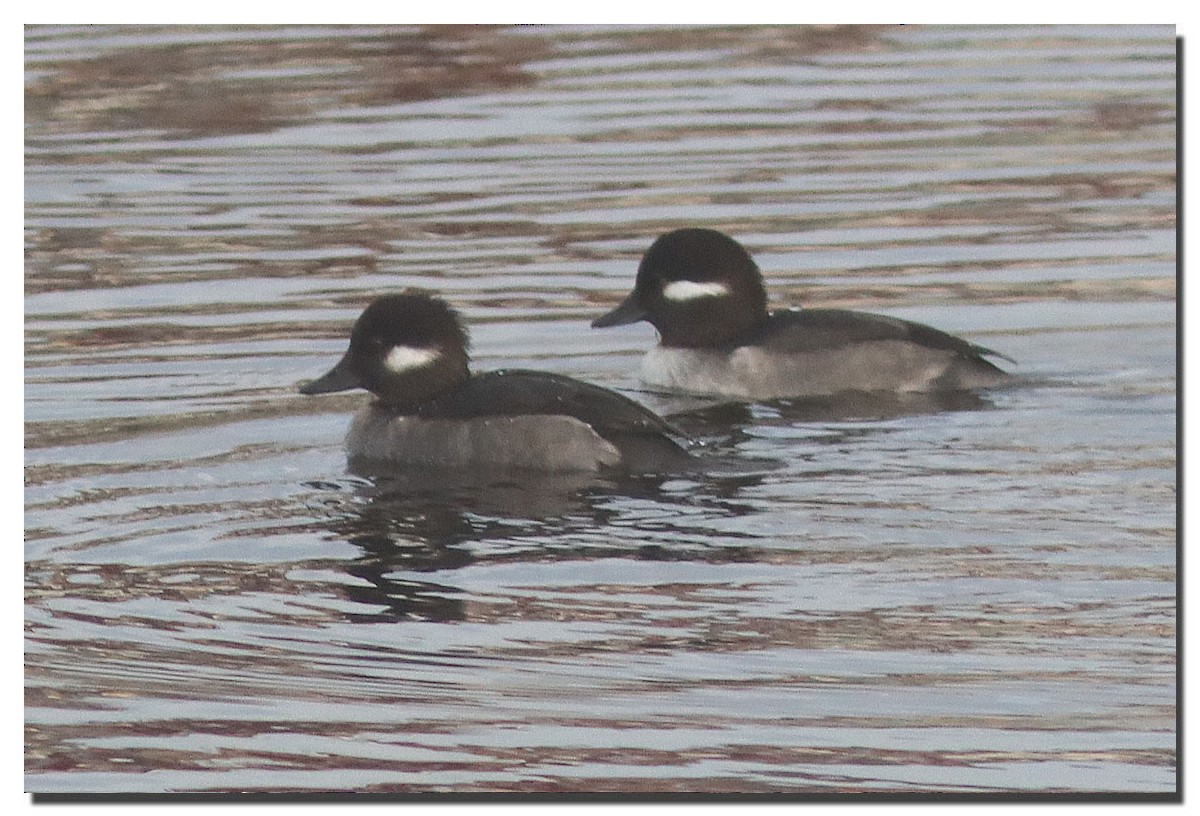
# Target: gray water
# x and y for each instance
(973, 596)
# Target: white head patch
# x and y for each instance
(683, 290)
(406, 358)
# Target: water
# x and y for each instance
(974, 597)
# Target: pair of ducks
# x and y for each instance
(703, 293)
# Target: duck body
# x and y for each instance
(822, 352)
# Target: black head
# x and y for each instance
(698, 287)
(406, 349)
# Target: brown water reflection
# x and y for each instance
(868, 595)
(252, 78)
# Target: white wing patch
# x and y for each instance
(683, 290)
(406, 358)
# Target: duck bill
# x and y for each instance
(630, 311)
(340, 378)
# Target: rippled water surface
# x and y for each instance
(973, 596)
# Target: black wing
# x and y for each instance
(512, 392)
(816, 329)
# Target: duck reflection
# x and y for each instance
(415, 529)
(412, 526)
(851, 414)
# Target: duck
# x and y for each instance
(704, 294)
(411, 352)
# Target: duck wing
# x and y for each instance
(512, 392)
(816, 329)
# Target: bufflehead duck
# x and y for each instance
(410, 351)
(704, 294)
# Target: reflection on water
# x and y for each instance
(426, 523)
(968, 593)
(196, 82)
